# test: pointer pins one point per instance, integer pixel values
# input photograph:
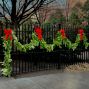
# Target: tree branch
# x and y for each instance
(27, 15)
(25, 3)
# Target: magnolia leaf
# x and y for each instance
(32, 47)
(77, 38)
(85, 39)
(43, 44)
(74, 46)
(69, 44)
(86, 45)
(34, 37)
(6, 72)
(49, 47)
(23, 49)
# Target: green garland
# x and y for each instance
(58, 41)
(7, 69)
(34, 42)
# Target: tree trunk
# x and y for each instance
(13, 14)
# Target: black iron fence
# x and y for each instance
(38, 59)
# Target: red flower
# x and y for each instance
(38, 32)
(81, 33)
(8, 34)
(62, 31)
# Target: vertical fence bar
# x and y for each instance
(19, 37)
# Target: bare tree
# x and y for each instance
(42, 13)
(47, 10)
(20, 10)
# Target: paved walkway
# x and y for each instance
(51, 81)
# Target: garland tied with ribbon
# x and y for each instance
(37, 40)
(7, 42)
(38, 32)
(81, 33)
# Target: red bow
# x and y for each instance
(81, 33)
(62, 31)
(38, 32)
(8, 34)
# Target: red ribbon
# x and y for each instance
(8, 34)
(38, 32)
(62, 31)
(81, 33)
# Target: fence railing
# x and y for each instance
(39, 59)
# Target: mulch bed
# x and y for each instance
(78, 67)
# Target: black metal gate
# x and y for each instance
(42, 60)
(38, 59)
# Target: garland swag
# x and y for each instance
(7, 42)
(37, 40)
